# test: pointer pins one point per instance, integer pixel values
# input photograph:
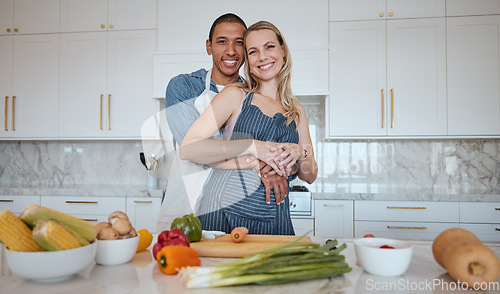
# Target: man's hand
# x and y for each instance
(271, 180)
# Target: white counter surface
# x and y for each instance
(142, 275)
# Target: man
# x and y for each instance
(187, 96)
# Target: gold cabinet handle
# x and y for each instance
(383, 109)
(81, 202)
(103, 26)
(334, 205)
(100, 124)
(16, 30)
(381, 14)
(497, 229)
(110, 26)
(6, 200)
(497, 208)
(6, 112)
(109, 112)
(9, 30)
(89, 219)
(404, 207)
(146, 202)
(13, 113)
(392, 108)
(407, 228)
(391, 13)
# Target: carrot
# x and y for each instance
(238, 234)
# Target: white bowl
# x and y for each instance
(383, 262)
(50, 266)
(113, 252)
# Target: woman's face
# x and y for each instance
(265, 54)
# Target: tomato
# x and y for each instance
(386, 247)
(369, 236)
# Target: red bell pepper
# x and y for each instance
(170, 238)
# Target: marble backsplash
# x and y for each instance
(460, 166)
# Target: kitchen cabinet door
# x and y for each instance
(35, 86)
(111, 15)
(106, 84)
(416, 77)
(29, 17)
(333, 218)
(472, 7)
(388, 78)
(6, 53)
(304, 25)
(17, 203)
(357, 79)
(342, 10)
(83, 87)
(143, 212)
(303, 226)
(130, 86)
(474, 75)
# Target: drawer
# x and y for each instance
(480, 212)
(420, 211)
(80, 205)
(485, 232)
(17, 203)
(401, 230)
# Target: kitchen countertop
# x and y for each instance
(141, 275)
(349, 191)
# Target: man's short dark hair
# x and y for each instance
(228, 17)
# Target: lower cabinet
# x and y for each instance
(418, 220)
(333, 218)
(481, 218)
(303, 225)
(90, 208)
(143, 212)
(16, 204)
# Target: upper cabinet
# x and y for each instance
(28, 85)
(474, 75)
(111, 15)
(29, 16)
(345, 10)
(106, 84)
(472, 7)
(304, 25)
(387, 78)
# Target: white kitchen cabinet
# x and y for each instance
(30, 78)
(419, 220)
(17, 203)
(303, 226)
(304, 25)
(111, 15)
(90, 208)
(106, 84)
(388, 78)
(333, 218)
(474, 75)
(482, 219)
(143, 212)
(29, 17)
(342, 10)
(472, 7)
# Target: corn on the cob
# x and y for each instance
(15, 234)
(52, 236)
(34, 213)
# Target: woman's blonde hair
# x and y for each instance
(253, 83)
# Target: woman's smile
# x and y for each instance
(266, 66)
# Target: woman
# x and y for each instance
(269, 124)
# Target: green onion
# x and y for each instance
(291, 262)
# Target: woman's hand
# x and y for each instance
(267, 152)
(288, 155)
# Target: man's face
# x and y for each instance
(227, 50)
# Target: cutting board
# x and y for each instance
(223, 246)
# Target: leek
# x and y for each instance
(291, 262)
